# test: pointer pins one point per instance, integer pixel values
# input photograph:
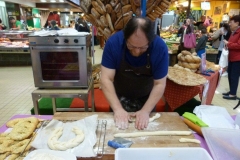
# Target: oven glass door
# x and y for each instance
(59, 65)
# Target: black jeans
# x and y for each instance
(233, 76)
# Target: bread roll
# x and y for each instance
(151, 17)
(122, 21)
(158, 9)
(109, 8)
(137, 3)
(124, 9)
(109, 22)
(100, 24)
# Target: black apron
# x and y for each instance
(133, 84)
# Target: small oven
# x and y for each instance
(61, 61)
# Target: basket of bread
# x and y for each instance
(188, 61)
(184, 77)
(110, 16)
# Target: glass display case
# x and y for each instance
(14, 48)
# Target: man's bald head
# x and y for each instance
(139, 23)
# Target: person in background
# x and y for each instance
(157, 26)
(71, 24)
(82, 26)
(2, 26)
(16, 25)
(54, 26)
(185, 29)
(225, 33)
(201, 45)
(134, 69)
(215, 38)
(233, 45)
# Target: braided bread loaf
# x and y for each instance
(189, 58)
(189, 65)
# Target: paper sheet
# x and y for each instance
(85, 149)
(215, 116)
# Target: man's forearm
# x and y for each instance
(155, 95)
(110, 94)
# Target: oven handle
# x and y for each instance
(56, 48)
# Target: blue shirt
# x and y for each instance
(114, 48)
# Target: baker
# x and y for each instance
(133, 72)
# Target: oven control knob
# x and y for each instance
(66, 40)
(76, 40)
(56, 40)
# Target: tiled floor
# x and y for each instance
(16, 86)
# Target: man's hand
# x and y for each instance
(142, 119)
(121, 119)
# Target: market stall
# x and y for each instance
(14, 48)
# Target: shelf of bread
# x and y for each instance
(110, 16)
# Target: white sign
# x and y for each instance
(205, 6)
(233, 12)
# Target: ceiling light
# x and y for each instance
(58, 13)
(43, 1)
(61, 0)
(71, 12)
(52, 0)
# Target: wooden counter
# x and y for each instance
(169, 121)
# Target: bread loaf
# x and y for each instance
(117, 8)
(122, 21)
(124, 9)
(189, 59)
(188, 65)
(109, 8)
(149, 3)
(114, 3)
(134, 7)
(164, 5)
(95, 13)
(104, 21)
(109, 22)
(184, 52)
(107, 32)
(124, 2)
(167, 2)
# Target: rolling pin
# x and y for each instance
(193, 126)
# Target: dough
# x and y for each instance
(189, 140)
(157, 115)
(54, 144)
(154, 133)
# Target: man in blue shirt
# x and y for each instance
(134, 67)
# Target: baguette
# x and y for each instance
(124, 2)
(95, 13)
(117, 8)
(109, 22)
(150, 3)
(109, 8)
(164, 5)
(122, 21)
(167, 2)
(104, 21)
(137, 3)
(97, 7)
(114, 3)
(107, 33)
(134, 7)
(101, 6)
(151, 17)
